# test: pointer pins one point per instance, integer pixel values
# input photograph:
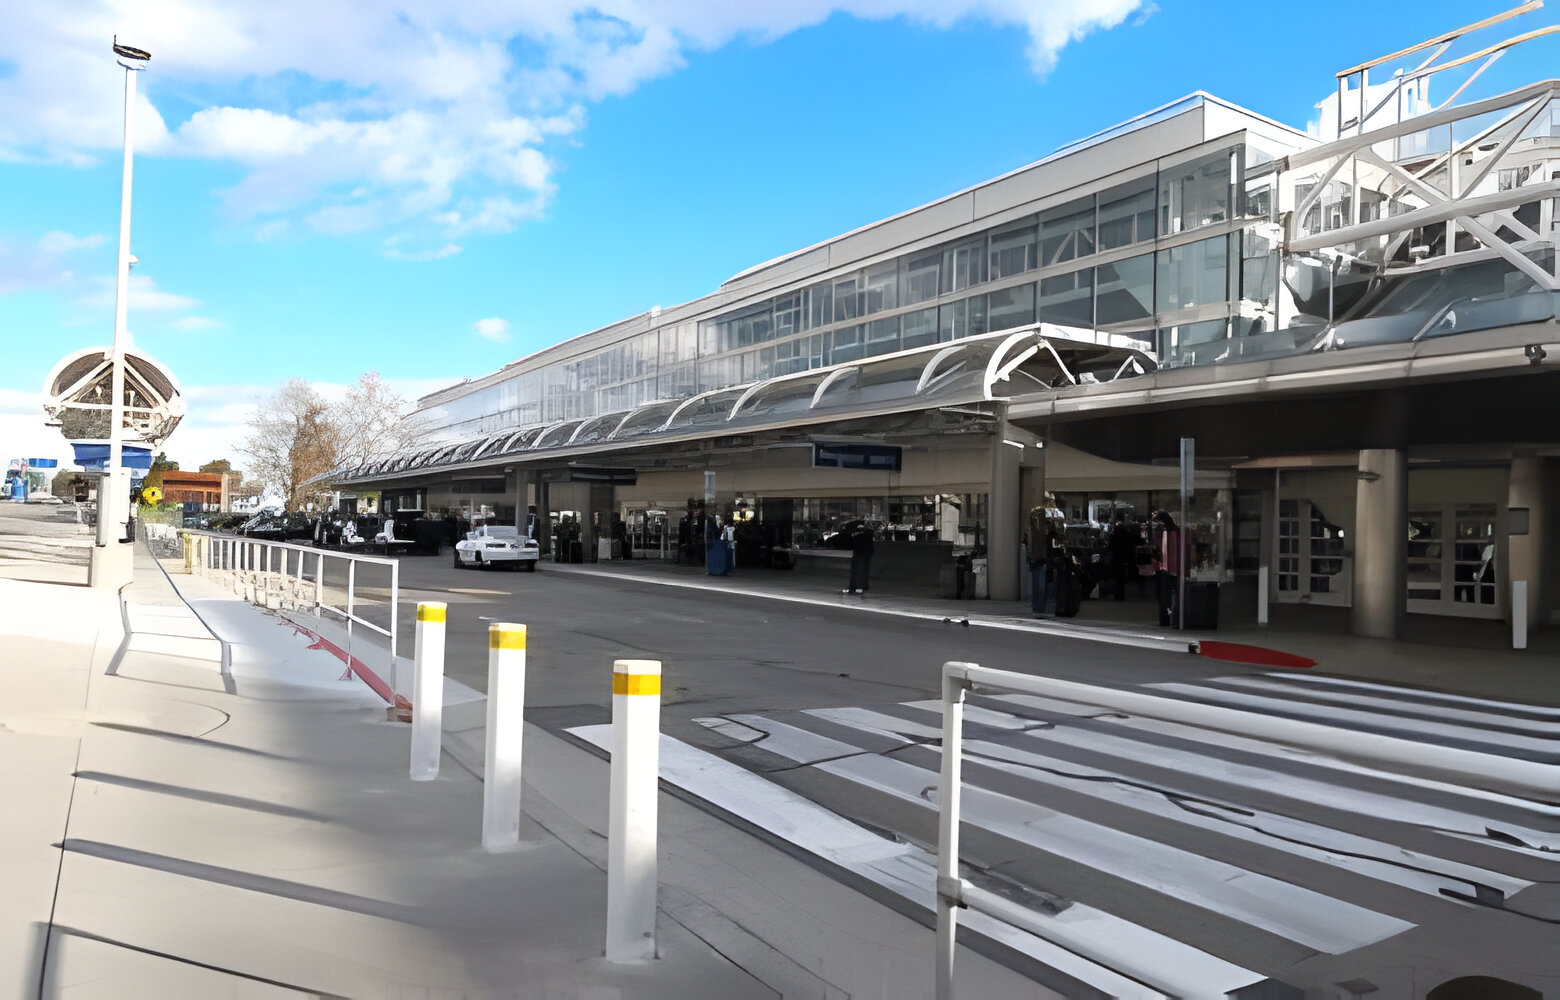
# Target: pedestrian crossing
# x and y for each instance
(1191, 862)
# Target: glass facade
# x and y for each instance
(1125, 260)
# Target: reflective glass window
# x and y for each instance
(883, 336)
(848, 298)
(820, 305)
(1124, 291)
(1196, 193)
(1127, 214)
(918, 328)
(918, 278)
(1011, 307)
(1193, 343)
(1068, 299)
(966, 318)
(677, 381)
(788, 315)
(1067, 232)
(847, 344)
(1193, 276)
(964, 264)
(1014, 250)
(882, 287)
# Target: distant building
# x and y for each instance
(207, 488)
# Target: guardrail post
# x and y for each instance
(505, 733)
(427, 690)
(631, 826)
(395, 619)
(1519, 629)
(319, 583)
(954, 686)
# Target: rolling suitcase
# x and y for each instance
(1068, 596)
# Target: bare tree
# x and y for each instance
(292, 439)
(372, 420)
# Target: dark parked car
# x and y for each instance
(279, 527)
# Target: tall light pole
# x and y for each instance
(111, 565)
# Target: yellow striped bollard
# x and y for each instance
(505, 734)
(428, 689)
(631, 824)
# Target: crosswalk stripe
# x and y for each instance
(1321, 680)
(1490, 721)
(1168, 967)
(1463, 737)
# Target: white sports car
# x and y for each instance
(496, 545)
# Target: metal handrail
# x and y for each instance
(214, 552)
(1526, 779)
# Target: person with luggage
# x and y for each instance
(1039, 540)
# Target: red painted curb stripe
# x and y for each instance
(1242, 653)
(354, 666)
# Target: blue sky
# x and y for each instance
(321, 190)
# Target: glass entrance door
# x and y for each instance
(1452, 566)
(1313, 566)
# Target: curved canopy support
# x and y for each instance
(829, 380)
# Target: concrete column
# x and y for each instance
(1005, 518)
(1525, 553)
(543, 526)
(1381, 544)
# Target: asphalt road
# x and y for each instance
(1216, 845)
(729, 652)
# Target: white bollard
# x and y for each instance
(631, 826)
(428, 690)
(505, 733)
(1519, 628)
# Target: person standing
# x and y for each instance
(1167, 549)
(1038, 542)
(861, 546)
(1124, 541)
(714, 546)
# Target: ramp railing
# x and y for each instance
(288, 577)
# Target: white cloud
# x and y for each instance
(56, 243)
(42, 264)
(354, 115)
(447, 250)
(144, 294)
(494, 329)
(197, 323)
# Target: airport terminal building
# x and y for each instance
(1356, 330)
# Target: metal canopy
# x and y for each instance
(992, 367)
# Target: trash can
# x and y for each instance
(982, 588)
(1202, 605)
(604, 549)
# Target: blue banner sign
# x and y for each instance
(875, 457)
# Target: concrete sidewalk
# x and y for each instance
(183, 825)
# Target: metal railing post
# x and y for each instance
(319, 583)
(395, 605)
(949, 894)
(351, 598)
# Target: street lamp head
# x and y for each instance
(130, 51)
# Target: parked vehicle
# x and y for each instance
(279, 527)
(497, 545)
